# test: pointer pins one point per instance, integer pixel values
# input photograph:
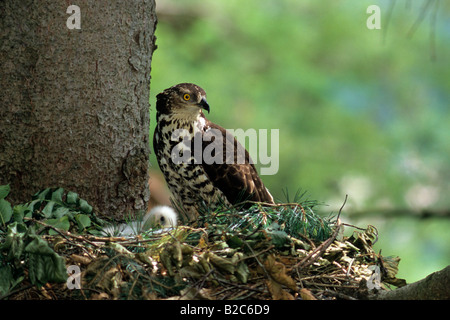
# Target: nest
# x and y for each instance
(284, 251)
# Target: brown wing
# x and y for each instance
(236, 176)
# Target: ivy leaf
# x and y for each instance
(61, 223)
(34, 205)
(5, 211)
(48, 209)
(57, 195)
(41, 195)
(279, 237)
(14, 241)
(19, 212)
(4, 191)
(44, 264)
(60, 212)
(72, 198)
(85, 207)
(5, 279)
(83, 221)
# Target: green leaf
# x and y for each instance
(5, 211)
(48, 209)
(72, 198)
(61, 223)
(44, 264)
(42, 194)
(85, 207)
(6, 278)
(19, 211)
(57, 195)
(4, 191)
(279, 238)
(14, 241)
(7, 281)
(235, 242)
(60, 212)
(35, 204)
(83, 221)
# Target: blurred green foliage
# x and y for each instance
(360, 112)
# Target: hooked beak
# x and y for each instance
(204, 104)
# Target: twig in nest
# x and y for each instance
(63, 233)
(11, 293)
(316, 253)
(256, 258)
(237, 286)
(199, 285)
(254, 255)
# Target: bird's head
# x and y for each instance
(184, 100)
(160, 216)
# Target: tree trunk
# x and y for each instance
(435, 286)
(74, 103)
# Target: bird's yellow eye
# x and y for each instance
(186, 97)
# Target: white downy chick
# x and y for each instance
(159, 216)
(162, 216)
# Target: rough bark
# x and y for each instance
(74, 104)
(435, 286)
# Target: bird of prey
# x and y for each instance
(160, 216)
(202, 163)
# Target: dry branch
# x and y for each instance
(435, 286)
